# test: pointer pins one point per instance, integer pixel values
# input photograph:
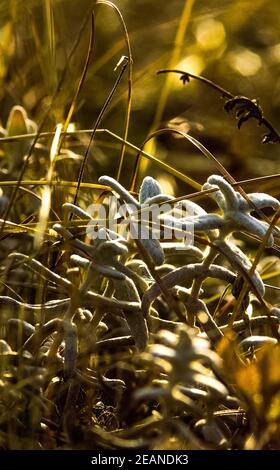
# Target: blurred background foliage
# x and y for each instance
(234, 43)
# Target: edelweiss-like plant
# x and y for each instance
(236, 216)
(150, 194)
(237, 210)
(184, 375)
(102, 257)
(178, 354)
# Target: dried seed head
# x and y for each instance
(4, 347)
(18, 124)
